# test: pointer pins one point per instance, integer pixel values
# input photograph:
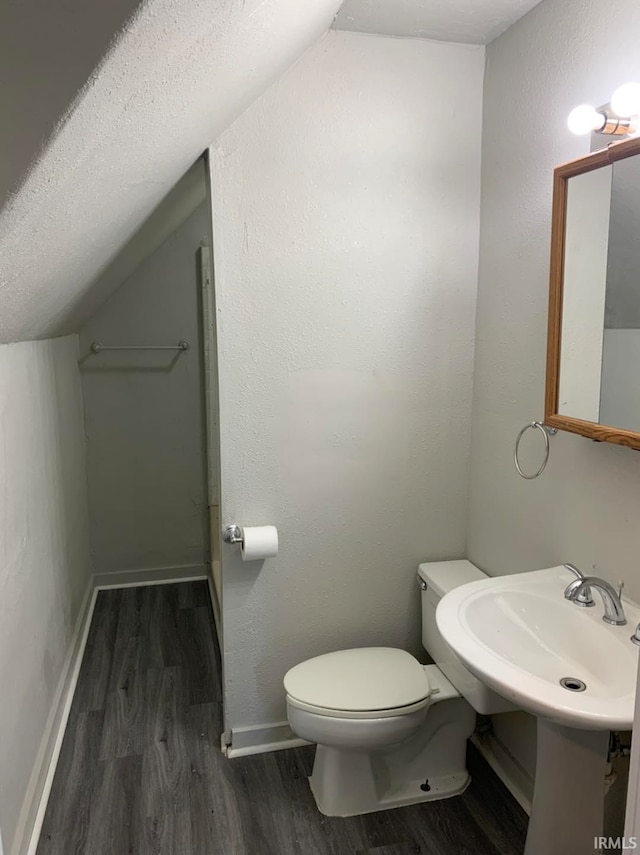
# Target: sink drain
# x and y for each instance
(572, 684)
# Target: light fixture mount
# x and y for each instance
(620, 117)
(614, 125)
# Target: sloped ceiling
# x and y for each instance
(468, 21)
(188, 194)
(48, 51)
(178, 73)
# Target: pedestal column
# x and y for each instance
(568, 800)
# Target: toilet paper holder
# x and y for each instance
(257, 542)
(232, 534)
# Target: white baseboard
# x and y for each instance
(513, 776)
(150, 576)
(35, 802)
(243, 741)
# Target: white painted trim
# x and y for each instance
(260, 739)
(511, 773)
(37, 796)
(150, 576)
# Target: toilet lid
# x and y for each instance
(360, 680)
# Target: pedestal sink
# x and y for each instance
(564, 664)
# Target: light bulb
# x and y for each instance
(584, 119)
(625, 101)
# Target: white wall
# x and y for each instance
(144, 415)
(43, 548)
(585, 507)
(346, 234)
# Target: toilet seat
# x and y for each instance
(365, 714)
(366, 682)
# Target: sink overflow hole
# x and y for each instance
(572, 684)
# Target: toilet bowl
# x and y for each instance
(390, 731)
(363, 699)
(357, 734)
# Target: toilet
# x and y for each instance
(390, 731)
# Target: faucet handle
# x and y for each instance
(584, 598)
(620, 588)
(577, 573)
(636, 636)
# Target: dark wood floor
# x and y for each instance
(141, 770)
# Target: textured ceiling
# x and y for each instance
(187, 195)
(179, 72)
(469, 21)
(48, 51)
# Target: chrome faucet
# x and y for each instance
(584, 598)
(613, 611)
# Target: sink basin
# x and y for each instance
(521, 637)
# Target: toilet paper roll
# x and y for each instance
(259, 542)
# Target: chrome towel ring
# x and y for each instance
(546, 433)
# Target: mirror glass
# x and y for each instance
(600, 328)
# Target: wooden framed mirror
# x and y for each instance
(593, 344)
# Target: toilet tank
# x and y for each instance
(436, 580)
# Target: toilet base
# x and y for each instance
(348, 783)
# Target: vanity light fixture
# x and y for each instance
(619, 118)
(625, 101)
(584, 119)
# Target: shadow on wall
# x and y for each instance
(144, 413)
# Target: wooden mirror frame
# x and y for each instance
(593, 430)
